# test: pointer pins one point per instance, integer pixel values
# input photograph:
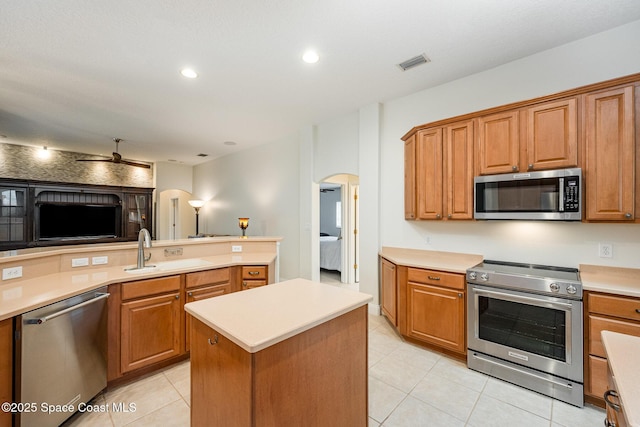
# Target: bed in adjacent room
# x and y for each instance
(331, 253)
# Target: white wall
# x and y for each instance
(173, 176)
(336, 147)
(262, 184)
(601, 57)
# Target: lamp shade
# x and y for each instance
(197, 203)
(243, 223)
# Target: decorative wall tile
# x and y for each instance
(24, 162)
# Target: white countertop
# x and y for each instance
(615, 280)
(259, 318)
(623, 357)
(434, 260)
(17, 297)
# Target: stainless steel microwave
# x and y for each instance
(545, 195)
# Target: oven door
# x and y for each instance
(539, 332)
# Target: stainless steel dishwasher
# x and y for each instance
(62, 358)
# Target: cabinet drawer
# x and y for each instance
(613, 305)
(254, 272)
(250, 284)
(597, 376)
(438, 278)
(209, 277)
(598, 324)
(143, 288)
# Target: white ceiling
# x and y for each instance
(76, 73)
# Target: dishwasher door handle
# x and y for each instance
(40, 320)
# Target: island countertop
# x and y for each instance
(264, 316)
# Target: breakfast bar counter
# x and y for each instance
(291, 353)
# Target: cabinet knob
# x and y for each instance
(433, 277)
(530, 166)
(638, 310)
(449, 216)
(254, 273)
(190, 294)
(215, 340)
(460, 295)
(438, 216)
(244, 284)
(628, 215)
(514, 168)
(607, 399)
(178, 296)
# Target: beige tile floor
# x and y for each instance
(408, 386)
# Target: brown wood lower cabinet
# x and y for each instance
(6, 368)
(605, 312)
(151, 327)
(388, 291)
(294, 382)
(253, 276)
(434, 308)
(203, 285)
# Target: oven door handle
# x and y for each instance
(520, 371)
(519, 298)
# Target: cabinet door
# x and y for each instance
(6, 368)
(388, 290)
(250, 284)
(458, 181)
(410, 178)
(137, 213)
(198, 295)
(151, 331)
(552, 135)
(436, 315)
(429, 173)
(498, 142)
(610, 155)
(13, 216)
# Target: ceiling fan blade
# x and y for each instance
(95, 160)
(140, 165)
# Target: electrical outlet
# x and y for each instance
(236, 248)
(79, 262)
(100, 260)
(605, 250)
(11, 273)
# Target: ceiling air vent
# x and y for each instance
(414, 62)
(203, 155)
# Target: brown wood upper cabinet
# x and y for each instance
(610, 156)
(542, 136)
(439, 173)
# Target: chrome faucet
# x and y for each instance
(144, 241)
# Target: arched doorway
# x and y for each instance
(339, 240)
(175, 218)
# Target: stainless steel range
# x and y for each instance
(524, 325)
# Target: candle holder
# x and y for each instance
(243, 223)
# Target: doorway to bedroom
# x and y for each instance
(339, 238)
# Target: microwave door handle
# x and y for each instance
(561, 195)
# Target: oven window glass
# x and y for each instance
(529, 328)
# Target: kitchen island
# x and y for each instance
(292, 353)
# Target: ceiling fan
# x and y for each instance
(117, 158)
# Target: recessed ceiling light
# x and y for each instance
(189, 73)
(310, 57)
(230, 143)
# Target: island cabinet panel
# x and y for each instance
(6, 368)
(318, 377)
(605, 312)
(389, 290)
(552, 135)
(610, 155)
(151, 325)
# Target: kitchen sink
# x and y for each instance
(170, 265)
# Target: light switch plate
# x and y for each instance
(100, 260)
(79, 262)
